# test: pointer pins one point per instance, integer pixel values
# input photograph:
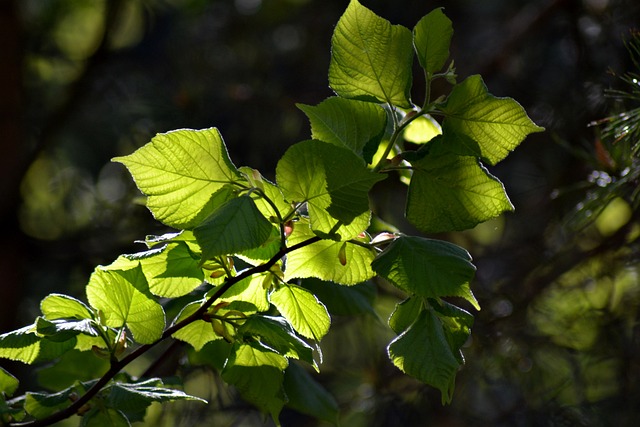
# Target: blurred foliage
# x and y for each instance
(557, 340)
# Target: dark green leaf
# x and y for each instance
(62, 330)
(71, 367)
(307, 396)
(343, 300)
(132, 397)
(423, 352)
(406, 313)
(276, 333)
(427, 267)
(236, 226)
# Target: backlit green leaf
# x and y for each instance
(172, 271)
(321, 260)
(197, 333)
(41, 405)
(349, 123)
(181, 172)
(431, 40)
(449, 192)
(58, 306)
(236, 226)
(422, 129)
(301, 308)
(479, 124)
(426, 267)
(61, 330)
(370, 58)
(123, 297)
(331, 179)
(250, 290)
(22, 345)
(257, 373)
(8, 383)
(423, 352)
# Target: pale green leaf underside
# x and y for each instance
(257, 373)
(180, 171)
(423, 352)
(303, 311)
(479, 124)
(370, 58)
(450, 193)
(349, 123)
(427, 267)
(321, 260)
(123, 297)
(431, 40)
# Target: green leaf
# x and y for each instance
(133, 397)
(257, 373)
(370, 58)
(349, 123)
(431, 40)
(423, 352)
(276, 333)
(478, 124)
(58, 306)
(331, 179)
(8, 383)
(343, 300)
(249, 290)
(105, 417)
(321, 260)
(182, 172)
(309, 397)
(448, 193)
(41, 405)
(405, 314)
(172, 271)
(197, 333)
(236, 226)
(123, 297)
(22, 345)
(71, 367)
(62, 330)
(427, 267)
(307, 315)
(456, 324)
(422, 130)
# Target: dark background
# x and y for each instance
(83, 81)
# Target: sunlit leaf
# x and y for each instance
(349, 123)
(58, 306)
(301, 308)
(331, 179)
(22, 345)
(257, 373)
(479, 124)
(422, 129)
(41, 405)
(431, 40)
(370, 58)
(427, 267)
(197, 333)
(449, 192)
(423, 352)
(182, 172)
(236, 226)
(8, 383)
(321, 260)
(123, 297)
(62, 330)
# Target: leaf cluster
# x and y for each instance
(258, 267)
